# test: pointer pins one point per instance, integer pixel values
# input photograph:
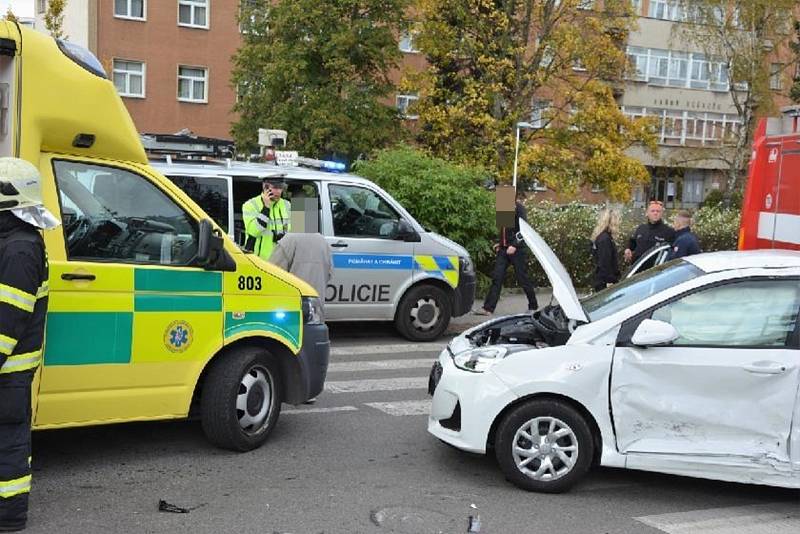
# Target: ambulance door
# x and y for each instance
(129, 322)
(372, 263)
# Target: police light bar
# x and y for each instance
(290, 158)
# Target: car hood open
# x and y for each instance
(563, 289)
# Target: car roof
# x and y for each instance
(745, 259)
(257, 170)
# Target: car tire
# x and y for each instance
(562, 456)
(424, 313)
(241, 399)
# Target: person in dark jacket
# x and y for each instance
(604, 251)
(23, 307)
(510, 251)
(686, 242)
(653, 232)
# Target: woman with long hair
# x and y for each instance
(604, 251)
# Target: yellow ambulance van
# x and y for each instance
(154, 312)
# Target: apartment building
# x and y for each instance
(169, 59)
(688, 94)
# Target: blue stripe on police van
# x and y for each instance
(372, 261)
(444, 263)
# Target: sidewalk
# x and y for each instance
(511, 301)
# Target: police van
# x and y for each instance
(154, 312)
(387, 267)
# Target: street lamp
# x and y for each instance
(520, 125)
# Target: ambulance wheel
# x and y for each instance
(423, 314)
(241, 399)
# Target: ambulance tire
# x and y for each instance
(424, 313)
(241, 399)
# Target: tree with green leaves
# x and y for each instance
(319, 69)
(54, 18)
(743, 35)
(555, 64)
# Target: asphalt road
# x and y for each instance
(359, 460)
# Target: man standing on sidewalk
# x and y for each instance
(509, 250)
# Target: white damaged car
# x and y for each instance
(690, 368)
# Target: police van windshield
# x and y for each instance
(111, 214)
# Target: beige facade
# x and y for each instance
(687, 94)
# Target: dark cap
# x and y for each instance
(274, 181)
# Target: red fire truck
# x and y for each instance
(771, 207)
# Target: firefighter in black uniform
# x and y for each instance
(23, 306)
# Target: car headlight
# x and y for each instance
(480, 359)
(465, 263)
(312, 310)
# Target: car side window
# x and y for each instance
(361, 212)
(115, 215)
(750, 313)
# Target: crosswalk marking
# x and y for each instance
(376, 384)
(754, 519)
(320, 410)
(387, 349)
(378, 365)
(414, 407)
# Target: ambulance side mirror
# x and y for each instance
(211, 254)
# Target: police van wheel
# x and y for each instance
(423, 314)
(241, 399)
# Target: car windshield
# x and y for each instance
(639, 287)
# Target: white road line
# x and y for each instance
(376, 384)
(754, 519)
(418, 407)
(320, 410)
(387, 349)
(380, 365)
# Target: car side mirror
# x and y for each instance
(651, 333)
(406, 232)
(211, 254)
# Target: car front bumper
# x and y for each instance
(465, 404)
(464, 296)
(311, 367)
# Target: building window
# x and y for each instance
(689, 128)
(665, 10)
(677, 69)
(130, 9)
(407, 42)
(776, 76)
(193, 13)
(636, 6)
(403, 102)
(539, 118)
(192, 84)
(586, 4)
(129, 78)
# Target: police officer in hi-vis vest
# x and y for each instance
(267, 218)
(23, 306)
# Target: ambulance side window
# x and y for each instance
(361, 212)
(114, 215)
